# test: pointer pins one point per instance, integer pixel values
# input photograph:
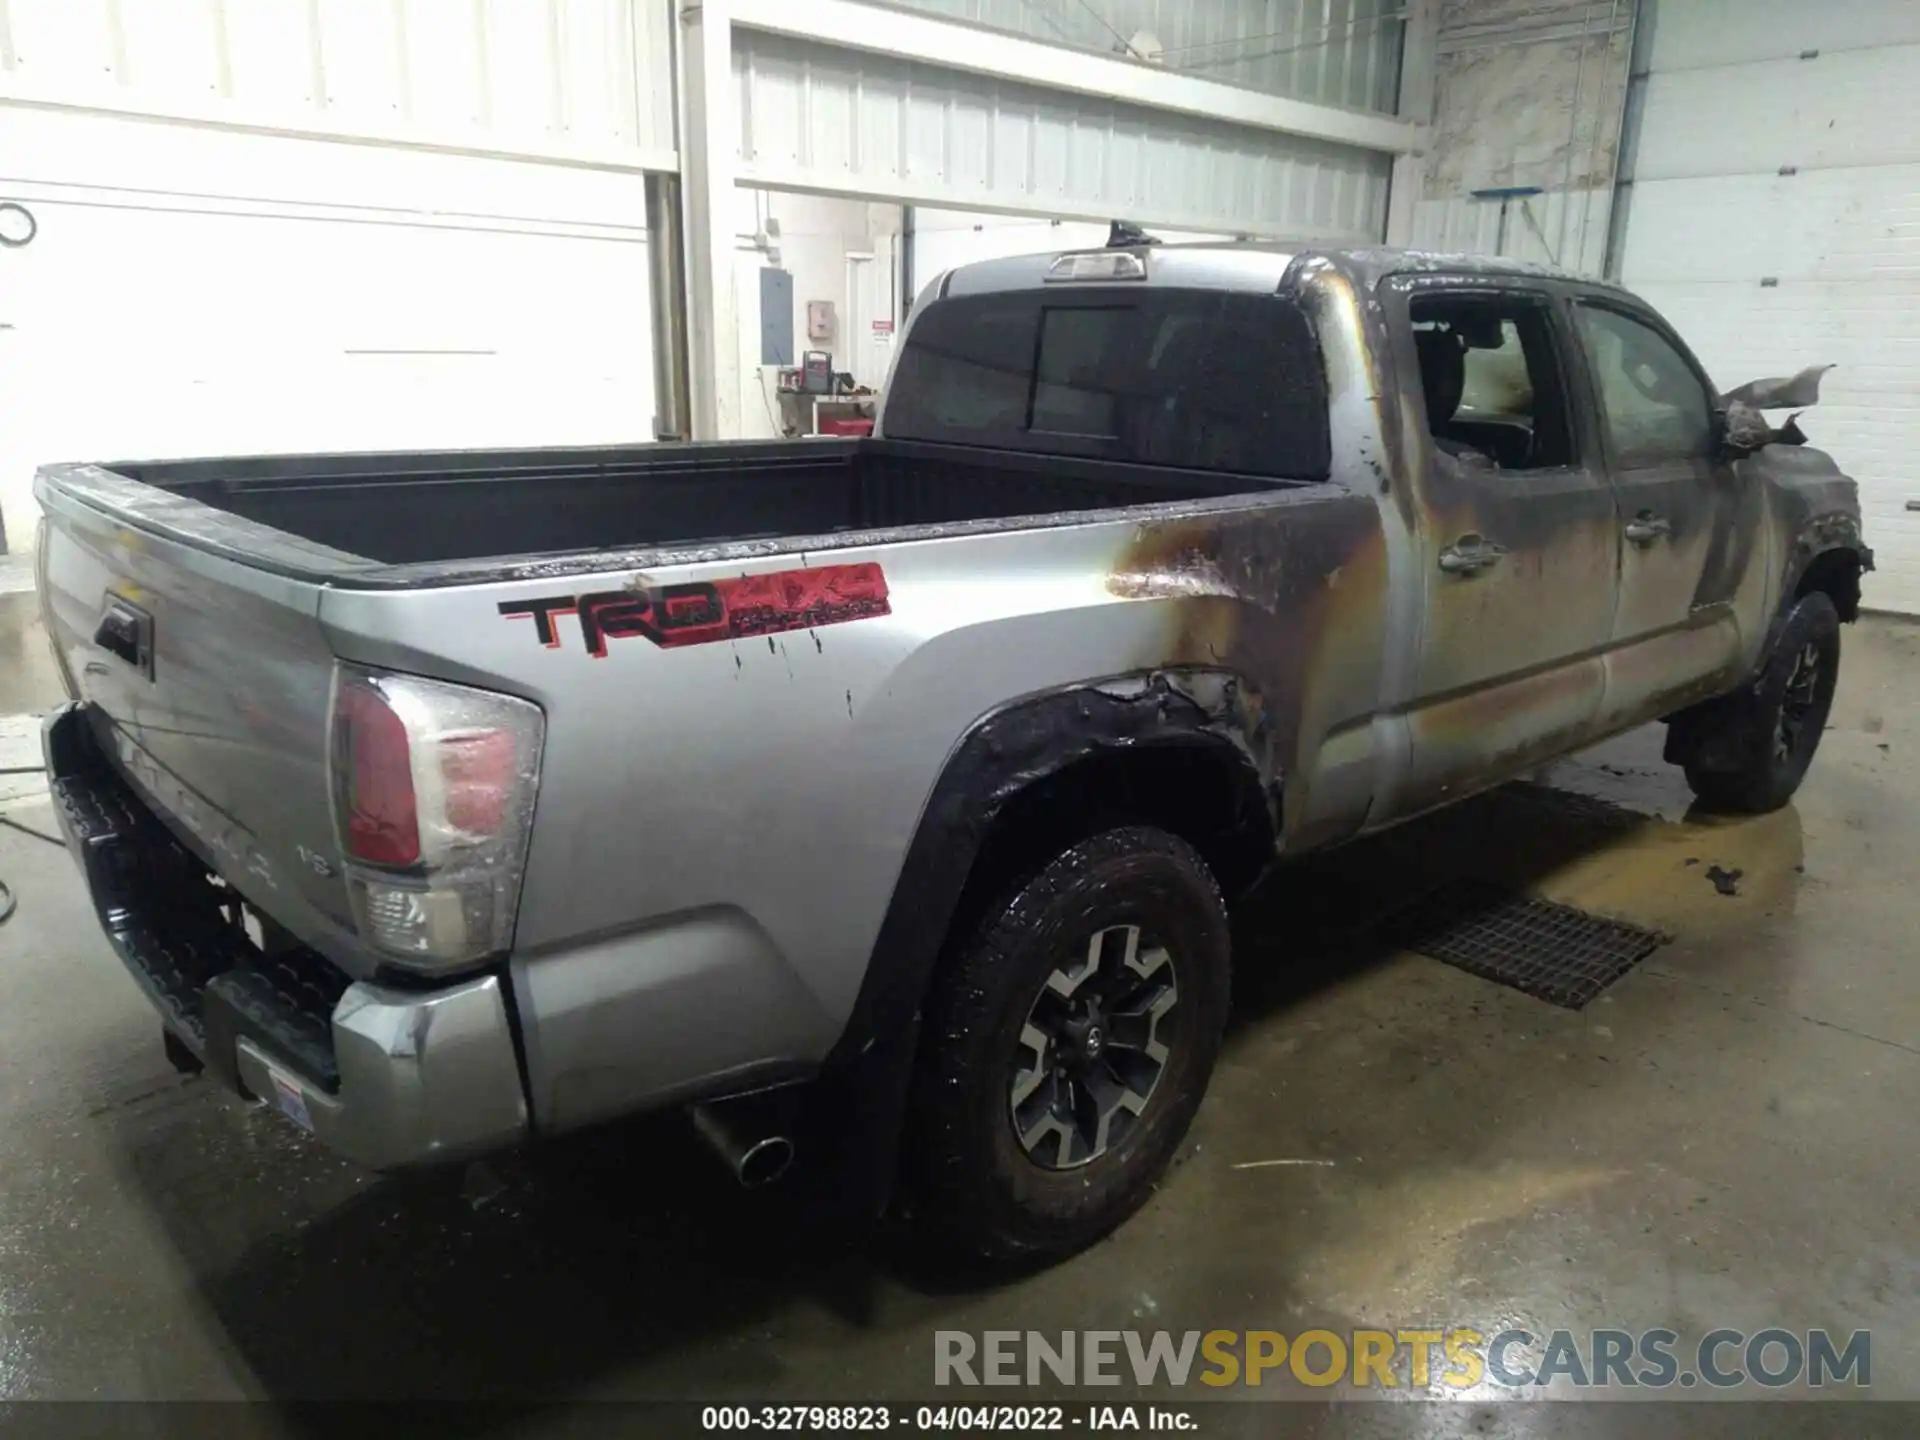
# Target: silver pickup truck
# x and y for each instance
(883, 797)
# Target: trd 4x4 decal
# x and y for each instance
(702, 611)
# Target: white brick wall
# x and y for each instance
(1729, 103)
(1842, 107)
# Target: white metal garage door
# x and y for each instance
(211, 293)
(1775, 218)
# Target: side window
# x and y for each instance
(1492, 381)
(1655, 406)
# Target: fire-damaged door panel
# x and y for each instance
(1689, 525)
(1518, 543)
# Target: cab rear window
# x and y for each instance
(1197, 379)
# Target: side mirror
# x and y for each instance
(1743, 430)
(1782, 392)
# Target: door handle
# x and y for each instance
(1647, 527)
(1470, 554)
(127, 632)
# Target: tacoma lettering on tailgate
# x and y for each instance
(702, 611)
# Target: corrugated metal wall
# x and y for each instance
(1560, 227)
(1335, 52)
(1527, 93)
(536, 76)
(818, 117)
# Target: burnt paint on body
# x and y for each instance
(1471, 629)
(1341, 302)
(1496, 637)
(1735, 523)
(1293, 592)
(1290, 596)
(1259, 590)
(1814, 507)
(1451, 499)
(1344, 309)
(1297, 596)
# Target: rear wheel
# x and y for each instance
(1068, 1043)
(1767, 735)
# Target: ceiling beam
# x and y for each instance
(951, 45)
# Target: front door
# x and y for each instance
(1518, 540)
(1688, 524)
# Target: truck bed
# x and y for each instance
(406, 509)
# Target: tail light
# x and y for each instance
(433, 795)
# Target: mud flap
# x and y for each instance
(852, 1123)
(1717, 735)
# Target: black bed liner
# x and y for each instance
(413, 509)
(424, 518)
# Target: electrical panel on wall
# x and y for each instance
(776, 317)
(820, 320)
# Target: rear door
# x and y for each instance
(1689, 525)
(1518, 536)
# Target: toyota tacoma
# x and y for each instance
(884, 797)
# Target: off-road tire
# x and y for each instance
(977, 1187)
(1767, 734)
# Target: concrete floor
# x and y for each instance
(1730, 1137)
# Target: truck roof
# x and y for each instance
(1255, 266)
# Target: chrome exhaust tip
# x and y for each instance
(755, 1159)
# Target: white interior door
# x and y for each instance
(861, 301)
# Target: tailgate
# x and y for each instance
(208, 685)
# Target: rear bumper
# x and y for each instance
(386, 1077)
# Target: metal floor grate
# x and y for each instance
(1549, 951)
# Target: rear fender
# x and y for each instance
(1016, 752)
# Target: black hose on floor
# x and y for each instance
(13, 824)
(7, 903)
